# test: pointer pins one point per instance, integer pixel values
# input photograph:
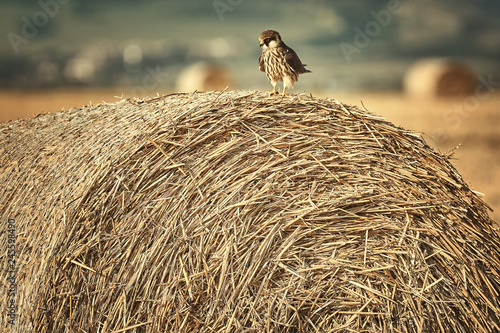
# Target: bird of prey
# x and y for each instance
(279, 61)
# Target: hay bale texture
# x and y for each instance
(239, 212)
(436, 77)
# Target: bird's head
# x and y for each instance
(269, 39)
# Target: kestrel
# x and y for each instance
(279, 61)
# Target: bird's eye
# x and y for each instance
(267, 40)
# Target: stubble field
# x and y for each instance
(472, 123)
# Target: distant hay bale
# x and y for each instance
(439, 78)
(204, 77)
(239, 212)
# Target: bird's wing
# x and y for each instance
(293, 60)
(261, 63)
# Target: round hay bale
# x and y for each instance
(239, 212)
(439, 78)
(204, 77)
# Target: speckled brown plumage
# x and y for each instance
(278, 61)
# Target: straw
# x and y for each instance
(240, 212)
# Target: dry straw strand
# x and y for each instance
(235, 211)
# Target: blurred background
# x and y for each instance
(429, 66)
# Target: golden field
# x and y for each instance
(472, 123)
